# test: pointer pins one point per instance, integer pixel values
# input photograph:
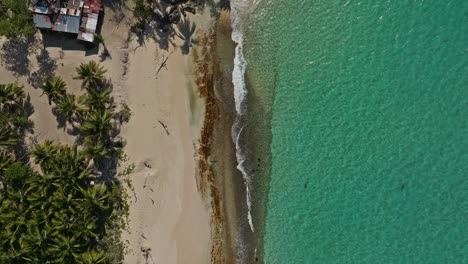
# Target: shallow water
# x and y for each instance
(369, 129)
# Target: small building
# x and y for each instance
(72, 16)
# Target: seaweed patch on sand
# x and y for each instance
(206, 67)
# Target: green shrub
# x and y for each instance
(16, 175)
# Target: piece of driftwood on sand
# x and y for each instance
(164, 63)
(165, 127)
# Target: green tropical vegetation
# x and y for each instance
(141, 10)
(15, 19)
(14, 111)
(98, 38)
(92, 74)
(62, 203)
(54, 88)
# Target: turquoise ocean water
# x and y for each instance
(369, 129)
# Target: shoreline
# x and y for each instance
(255, 80)
(224, 152)
(225, 182)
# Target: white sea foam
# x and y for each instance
(238, 74)
(247, 177)
(240, 93)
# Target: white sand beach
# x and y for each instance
(167, 213)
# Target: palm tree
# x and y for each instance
(91, 73)
(95, 197)
(33, 242)
(99, 99)
(37, 191)
(13, 110)
(65, 249)
(7, 240)
(83, 107)
(54, 88)
(11, 94)
(45, 153)
(100, 39)
(96, 151)
(6, 160)
(67, 106)
(70, 166)
(86, 224)
(13, 216)
(97, 124)
(92, 257)
(8, 136)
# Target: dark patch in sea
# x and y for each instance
(306, 184)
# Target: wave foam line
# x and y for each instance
(240, 94)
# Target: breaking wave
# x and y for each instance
(240, 97)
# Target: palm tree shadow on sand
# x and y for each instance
(14, 55)
(160, 30)
(46, 68)
(164, 37)
(169, 20)
(186, 29)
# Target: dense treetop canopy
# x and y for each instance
(15, 19)
(62, 203)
